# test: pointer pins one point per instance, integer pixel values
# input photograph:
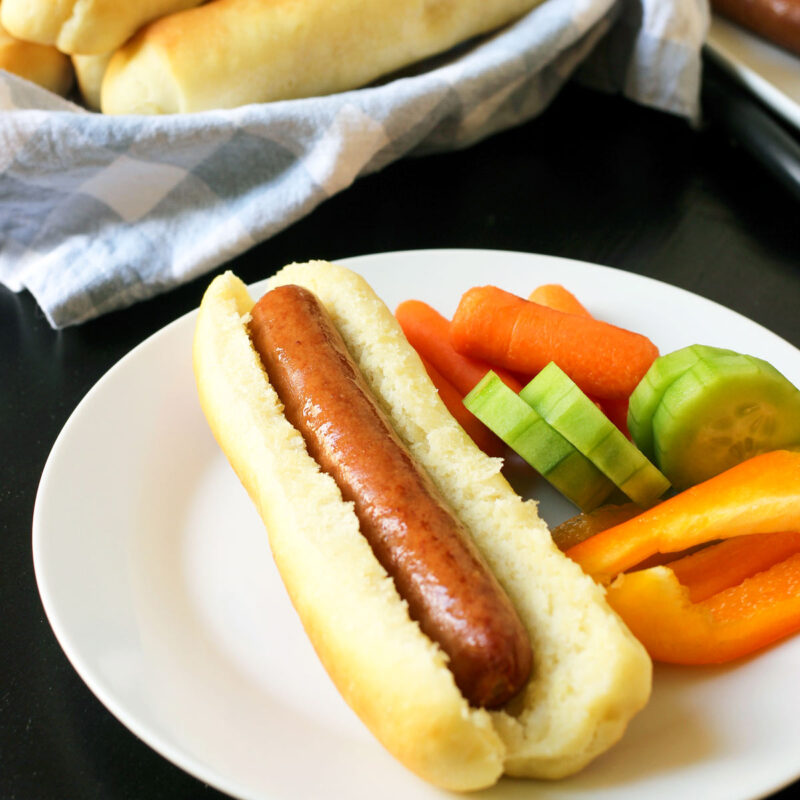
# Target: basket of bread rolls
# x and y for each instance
(175, 56)
(188, 131)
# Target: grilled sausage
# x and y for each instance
(437, 569)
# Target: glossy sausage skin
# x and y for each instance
(776, 20)
(435, 565)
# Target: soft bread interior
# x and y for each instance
(590, 674)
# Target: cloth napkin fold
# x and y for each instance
(98, 212)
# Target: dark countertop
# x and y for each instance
(596, 178)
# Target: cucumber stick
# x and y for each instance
(722, 410)
(550, 454)
(556, 397)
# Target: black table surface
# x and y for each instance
(595, 178)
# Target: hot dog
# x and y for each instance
(435, 565)
(589, 675)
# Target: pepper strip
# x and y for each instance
(723, 565)
(760, 495)
(730, 624)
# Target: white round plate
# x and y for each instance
(156, 576)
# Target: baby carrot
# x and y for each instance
(760, 495)
(554, 295)
(503, 329)
(474, 428)
(428, 332)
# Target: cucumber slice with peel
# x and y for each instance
(720, 412)
(550, 454)
(647, 395)
(556, 397)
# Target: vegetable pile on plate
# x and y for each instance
(707, 575)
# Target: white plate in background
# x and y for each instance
(155, 574)
(770, 72)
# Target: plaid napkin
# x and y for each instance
(98, 212)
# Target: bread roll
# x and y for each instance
(233, 52)
(88, 27)
(89, 71)
(590, 674)
(38, 63)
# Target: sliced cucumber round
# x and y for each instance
(723, 410)
(647, 395)
(547, 451)
(556, 397)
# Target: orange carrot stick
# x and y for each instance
(475, 429)
(723, 565)
(503, 329)
(760, 495)
(554, 295)
(730, 624)
(428, 332)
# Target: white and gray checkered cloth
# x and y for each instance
(98, 212)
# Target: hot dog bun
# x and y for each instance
(89, 27)
(232, 52)
(590, 674)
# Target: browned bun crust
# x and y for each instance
(590, 674)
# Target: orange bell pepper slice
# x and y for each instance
(723, 565)
(729, 624)
(760, 495)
